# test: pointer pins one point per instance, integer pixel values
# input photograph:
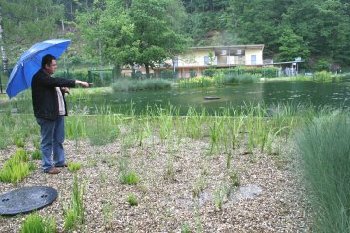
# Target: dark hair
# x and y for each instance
(47, 60)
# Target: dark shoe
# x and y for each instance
(63, 165)
(53, 171)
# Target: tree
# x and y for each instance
(324, 27)
(27, 22)
(291, 46)
(145, 33)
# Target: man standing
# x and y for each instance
(49, 109)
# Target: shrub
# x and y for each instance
(209, 72)
(322, 76)
(242, 78)
(138, 85)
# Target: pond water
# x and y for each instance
(331, 94)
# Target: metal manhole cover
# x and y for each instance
(26, 199)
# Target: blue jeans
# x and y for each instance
(52, 138)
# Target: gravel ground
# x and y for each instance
(170, 173)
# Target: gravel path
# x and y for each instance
(269, 199)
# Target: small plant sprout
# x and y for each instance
(132, 199)
(185, 228)
(75, 214)
(74, 166)
(198, 186)
(219, 195)
(234, 178)
(129, 177)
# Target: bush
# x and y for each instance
(167, 74)
(138, 85)
(209, 72)
(322, 76)
(242, 78)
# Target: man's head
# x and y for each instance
(49, 64)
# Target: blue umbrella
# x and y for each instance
(30, 62)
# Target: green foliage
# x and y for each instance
(74, 166)
(102, 129)
(16, 168)
(322, 76)
(140, 33)
(74, 216)
(27, 23)
(324, 148)
(209, 72)
(148, 84)
(19, 141)
(196, 82)
(36, 154)
(129, 177)
(292, 46)
(242, 78)
(185, 228)
(132, 200)
(167, 74)
(234, 178)
(34, 223)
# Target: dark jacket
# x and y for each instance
(44, 95)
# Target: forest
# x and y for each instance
(148, 31)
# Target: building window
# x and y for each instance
(253, 59)
(206, 60)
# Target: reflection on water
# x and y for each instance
(334, 95)
(317, 94)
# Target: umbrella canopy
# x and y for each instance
(30, 62)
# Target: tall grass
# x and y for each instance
(325, 150)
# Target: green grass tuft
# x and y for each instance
(74, 166)
(16, 168)
(324, 147)
(34, 223)
(129, 177)
(132, 200)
